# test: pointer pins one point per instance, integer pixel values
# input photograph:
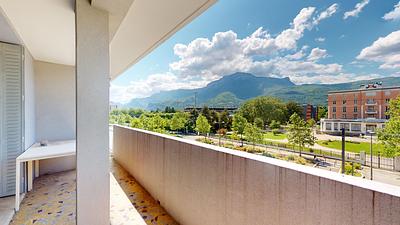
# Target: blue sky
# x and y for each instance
(309, 41)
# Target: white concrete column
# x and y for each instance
(332, 126)
(92, 100)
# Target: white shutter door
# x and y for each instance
(11, 114)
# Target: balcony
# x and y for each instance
(159, 179)
(192, 179)
(371, 112)
(53, 201)
(370, 103)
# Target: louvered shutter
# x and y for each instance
(11, 114)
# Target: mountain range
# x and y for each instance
(232, 90)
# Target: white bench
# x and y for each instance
(36, 153)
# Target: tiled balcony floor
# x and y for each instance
(52, 201)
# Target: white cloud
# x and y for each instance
(226, 53)
(394, 14)
(357, 9)
(327, 13)
(151, 85)
(204, 60)
(320, 39)
(333, 79)
(317, 54)
(385, 50)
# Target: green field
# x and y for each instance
(270, 135)
(355, 147)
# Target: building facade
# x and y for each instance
(310, 112)
(359, 111)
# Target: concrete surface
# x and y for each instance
(92, 104)
(203, 184)
(6, 209)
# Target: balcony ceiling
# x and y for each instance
(47, 27)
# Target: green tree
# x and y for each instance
(202, 125)
(265, 107)
(299, 132)
(311, 122)
(258, 122)
(322, 112)
(253, 134)
(136, 123)
(238, 125)
(206, 112)
(158, 123)
(225, 120)
(293, 107)
(390, 135)
(178, 121)
(275, 125)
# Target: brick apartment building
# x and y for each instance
(360, 110)
(310, 112)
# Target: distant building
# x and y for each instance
(217, 109)
(310, 112)
(359, 111)
(113, 106)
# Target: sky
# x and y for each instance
(309, 41)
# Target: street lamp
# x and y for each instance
(370, 148)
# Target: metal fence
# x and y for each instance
(377, 161)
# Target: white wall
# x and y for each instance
(204, 184)
(55, 110)
(55, 101)
(29, 85)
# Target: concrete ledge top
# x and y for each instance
(355, 181)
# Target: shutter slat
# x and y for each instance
(10, 114)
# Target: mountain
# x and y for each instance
(232, 90)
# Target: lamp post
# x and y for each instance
(370, 148)
(343, 150)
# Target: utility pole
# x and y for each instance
(343, 150)
(370, 148)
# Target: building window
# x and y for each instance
(387, 100)
(387, 117)
(344, 109)
(344, 116)
(334, 102)
(333, 109)
(386, 108)
(356, 127)
(355, 101)
(344, 102)
(355, 109)
(370, 101)
(328, 126)
(370, 93)
(334, 116)
(346, 126)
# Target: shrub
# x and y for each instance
(275, 131)
(207, 141)
(301, 160)
(290, 157)
(267, 154)
(348, 169)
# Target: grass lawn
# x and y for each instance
(355, 147)
(270, 135)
